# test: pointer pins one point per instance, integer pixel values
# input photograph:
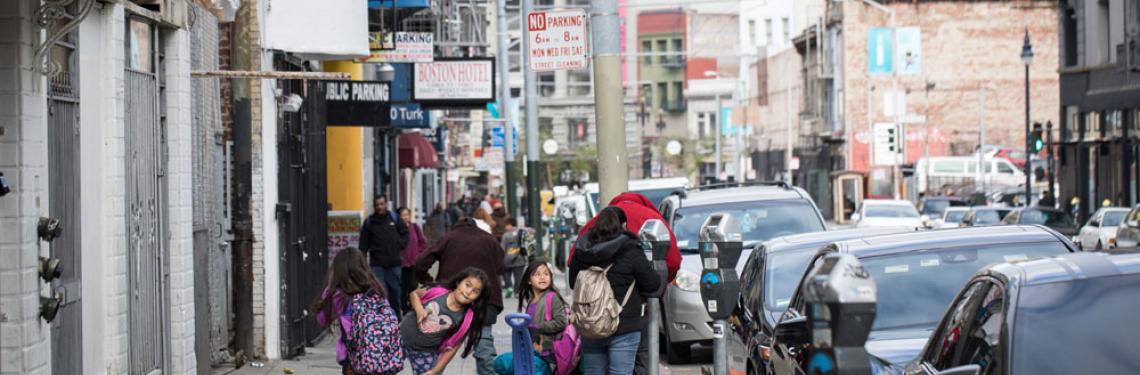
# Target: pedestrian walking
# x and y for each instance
(354, 307)
(466, 245)
(499, 221)
(383, 236)
(438, 223)
(417, 244)
(610, 254)
(483, 218)
(443, 317)
(514, 259)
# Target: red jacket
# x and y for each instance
(639, 209)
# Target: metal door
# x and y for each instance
(302, 212)
(64, 202)
(145, 201)
(211, 250)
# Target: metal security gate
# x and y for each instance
(64, 202)
(302, 211)
(145, 203)
(211, 248)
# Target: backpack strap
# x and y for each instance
(549, 305)
(628, 293)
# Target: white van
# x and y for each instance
(958, 169)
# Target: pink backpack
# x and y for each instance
(568, 347)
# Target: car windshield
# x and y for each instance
(954, 216)
(1113, 218)
(890, 210)
(759, 220)
(1096, 310)
(934, 207)
(915, 287)
(1052, 219)
(989, 217)
(782, 273)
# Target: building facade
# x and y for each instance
(1098, 133)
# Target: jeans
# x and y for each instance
(613, 355)
(390, 278)
(485, 352)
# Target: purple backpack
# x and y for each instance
(568, 346)
(374, 344)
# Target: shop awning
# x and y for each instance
(416, 151)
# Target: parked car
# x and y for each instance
(1099, 232)
(1041, 317)
(769, 278)
(917, 275)
(1128, 233)
(951, 218)
(1058, 220)
(878, 213)
(933, 207)
(981, 216)
(763, 212)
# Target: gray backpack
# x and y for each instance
(595, 312)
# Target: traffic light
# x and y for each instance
(1037, 138)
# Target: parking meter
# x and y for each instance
(720, 249)
(839, 298)
(655, 239)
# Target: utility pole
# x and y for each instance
(926, 135)
(1049, 142)
(244, 53)
(1027, 60)
(613, 175)
(534, 211)
(788, 129)
(502, 59)
(982, 175)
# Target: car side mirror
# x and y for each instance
(962, 370)
(793, 332)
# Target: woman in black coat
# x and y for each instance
(609, 243)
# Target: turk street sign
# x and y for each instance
(357, 103)
(557, 40)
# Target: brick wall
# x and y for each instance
(179, 210)
(965, 44)
(115, 241)
(24, 342)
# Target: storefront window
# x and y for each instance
(1113, 123)
(1092, 126)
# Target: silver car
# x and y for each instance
(764, 212)
(1128, 234)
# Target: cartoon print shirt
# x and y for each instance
(440, 323)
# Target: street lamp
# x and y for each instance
(1027, 60)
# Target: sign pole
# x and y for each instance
(613, 174)
(534, 212)
(504, 100)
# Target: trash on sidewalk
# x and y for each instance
(287, 370)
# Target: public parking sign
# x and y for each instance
(557, 40)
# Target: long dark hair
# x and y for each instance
(610, 223)
(350, 275)
(524, 288)
(478, 306)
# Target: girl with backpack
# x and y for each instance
(555, 340)
(368, 339)
(441, 318)
(608, 265)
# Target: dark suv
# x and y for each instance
(1070, 314)
(764, 212)
(769, 278)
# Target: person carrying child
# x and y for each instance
(368, 338)
(441, 318)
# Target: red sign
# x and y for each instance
(536, 21)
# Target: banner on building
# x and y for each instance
(344, 231)
(557, 40)
(400, 47)
(909, 58)
(465, 82)
(357, 103)
(879, 51)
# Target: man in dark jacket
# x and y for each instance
(466, 245)
(382, 237)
